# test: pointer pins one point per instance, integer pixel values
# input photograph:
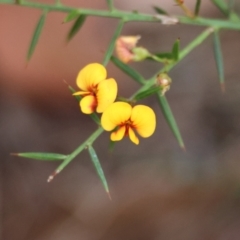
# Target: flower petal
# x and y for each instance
(106, 94)
(118, 134)
(144, 120)
(88, 104)
(116, 114)
(91, 75)
(133, 136)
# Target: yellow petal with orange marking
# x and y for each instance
(133, 136)
(116, 114)
(88, 104)
(106, 94)
(144, 120)
(118, 134)
(90, 76)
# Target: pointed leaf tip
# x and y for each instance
(160, 10)
(41, 156)
(98, 167)
(52, 176)
(167, 112)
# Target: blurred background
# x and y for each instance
(158, 191)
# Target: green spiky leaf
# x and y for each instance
(41, 156)
(197, 7)
(128, 70)
(76, 26)
(110, 4)
(98, 167)
(167, 112)
(36, 35)
(222, 6)
(175, 50)
(160, 10)
(111, 46)
(218, 58)
(147, 93)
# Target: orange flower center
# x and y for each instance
(128, 124)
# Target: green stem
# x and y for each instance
(216, 23)
(111, 46)
(89, 141)
(128, 16)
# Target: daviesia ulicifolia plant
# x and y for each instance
(97, 92)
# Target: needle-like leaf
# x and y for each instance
(98, 168)
(128, 70)
(167, 112)
(197, 7)
(219, 59)
(76, 27)
(36, 35)
(41, 156)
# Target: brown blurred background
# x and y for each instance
(158, 191)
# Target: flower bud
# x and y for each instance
(140, 53)
(124, 47)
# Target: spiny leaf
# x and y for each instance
(147, 93)
(41, 156)
(219, 59)
(78, 150)
(197, 7)
(159, 10)
(72, 15)
(128, 70)
(167, 112)
(76, 26)
(222, 6)
(110, 4)
(232, 15)
(175, 50)
(98, 168)
(111, 46)
(36, 35)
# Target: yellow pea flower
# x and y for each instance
(97, 92)
(125, 119)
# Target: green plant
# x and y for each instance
(158, 84)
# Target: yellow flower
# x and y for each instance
(97, 92)
(125, 119)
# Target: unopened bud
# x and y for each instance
(140, 53)
(124, 47)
